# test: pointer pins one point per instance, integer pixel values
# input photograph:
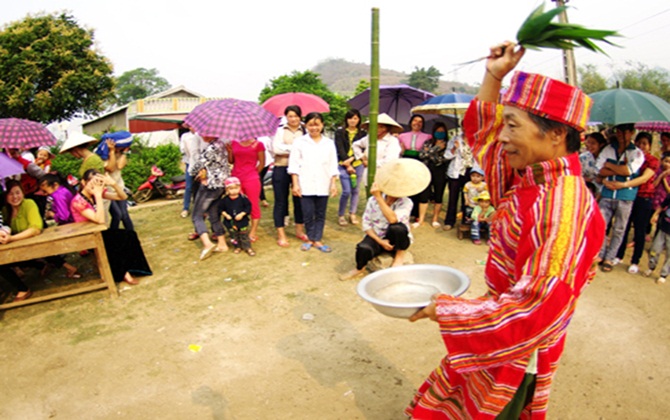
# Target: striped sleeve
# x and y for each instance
(482, 125)
(553, 264)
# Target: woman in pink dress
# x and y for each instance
(411, 143)
(248, 159)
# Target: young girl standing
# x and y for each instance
(313, 169)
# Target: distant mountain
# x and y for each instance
(343, 76)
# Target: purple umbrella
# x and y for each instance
(232, 119)
(9, 166)
(395, 100)
(16, 133)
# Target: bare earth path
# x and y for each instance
(279, 337)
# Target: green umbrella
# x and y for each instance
(622, 106)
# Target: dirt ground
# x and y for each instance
(278, 336)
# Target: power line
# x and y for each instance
(645, 19)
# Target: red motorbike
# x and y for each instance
(154, 186)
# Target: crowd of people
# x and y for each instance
(630, 184)
(34, 198)
(542, 207)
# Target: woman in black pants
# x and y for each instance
(281, 180)
(432, 154)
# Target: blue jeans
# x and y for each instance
(281, 184)
(189, 192)
(314, 212)
(620, 210)
(349, 191)
(478, 228)
(119, 212)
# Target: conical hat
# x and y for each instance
(383, 118)
(76, 139)
(402, 177)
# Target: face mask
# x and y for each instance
(440, 135)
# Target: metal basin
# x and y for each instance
(400, 292)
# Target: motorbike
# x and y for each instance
(154, 186)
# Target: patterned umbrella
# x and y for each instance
(659, 126)
(306, 101)
(232, 119)
(16, 133)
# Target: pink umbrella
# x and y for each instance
(16, 133)
(232, 119)
(659, 126)
(306, 101)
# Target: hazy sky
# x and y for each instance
(233, 48)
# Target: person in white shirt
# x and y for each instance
(313, 168)
(191, 146)
(388, 146)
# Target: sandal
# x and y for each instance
(74, 275)
(193, 236)
(302, 237)
(306, 246)
(353, 219)
(607, 267)
(237, 250)
(283, 244)
(26, 295)
(342, 221)
(251, 252)
(206, 253)
(324, 248)
(253, 239)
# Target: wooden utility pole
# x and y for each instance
(374, 101)
(569, 66)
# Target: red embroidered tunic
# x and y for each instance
(545, 236)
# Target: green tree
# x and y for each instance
(50, 71)
(638, 76)
(138, 84)
(425, 79)
(590, 80)
(308, 82)
(362, 86)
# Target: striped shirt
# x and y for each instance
(545, 236)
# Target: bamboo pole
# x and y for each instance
(374, 100)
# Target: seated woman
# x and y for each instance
(124, 250)
(24, 220)
(386, 216)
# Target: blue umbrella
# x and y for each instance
(451, 103)
(394, 100)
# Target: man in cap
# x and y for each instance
(503, 348)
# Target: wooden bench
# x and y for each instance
(59, 240)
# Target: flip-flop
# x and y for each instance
(302, 237)
(206, 253)
(193, 236)
(251, 252)
(283, 244)
(607, 267)
(324, 248)
(306, 246)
